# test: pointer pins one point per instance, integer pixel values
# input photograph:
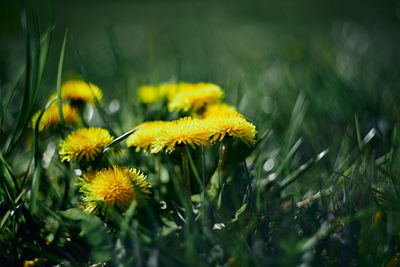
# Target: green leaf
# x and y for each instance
(94, 231)
(238, 212)
(75, 214)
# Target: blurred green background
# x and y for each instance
(343, 55)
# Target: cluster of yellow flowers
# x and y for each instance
(105, 188)
(182, 96)
(117, 186)
(213, 120)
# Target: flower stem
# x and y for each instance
(157, 164)
(185, 169)
(203, 168)
(221, 162)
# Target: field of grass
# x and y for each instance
(320, 80)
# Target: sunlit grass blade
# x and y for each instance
(303, 168)
(120, 139)
(298, 113)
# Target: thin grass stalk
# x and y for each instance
(248, 195)
(97, 105)
(59, 74)
(37, 157)
(8, 168)
(13, 88)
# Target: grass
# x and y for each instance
(320, 187)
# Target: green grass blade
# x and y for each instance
(11, 92)
(120, 139)
(34, 67)
(296, 120)
(35, 188)
(59, 74)
(193, 166)
(302, 169)
(357, 124)
(9, 175)
(37, 170)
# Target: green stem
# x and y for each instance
(203, 171)
(157, 166)
(185, 171)
(66, 193)
(221, 162)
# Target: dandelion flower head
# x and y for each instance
(78, 90)
(145, 134)
(31, 263)
(112, 187)
(219, 110)
(179, 87)
(204, 93)
(196, 99)
(235, 126)
(84, 143)
(185, 131)
(152, 93)
(51, 116)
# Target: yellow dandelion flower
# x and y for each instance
(378, 217)
(34, 262)
(185, 131)
(84, 143)
(145, 134)
(174, 88)
(195, 99)
(112, 187)
(51, 116)
(80, 91)
(152, 93)
(219, 110)
(234, 126)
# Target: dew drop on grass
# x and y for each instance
(113, 106)
(218, 226)
(269, 165)
(163, 205)
(89, 112)
(48, 154)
